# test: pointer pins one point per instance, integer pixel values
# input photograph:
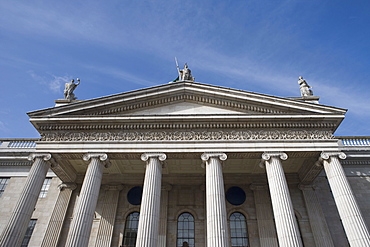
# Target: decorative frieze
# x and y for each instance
(185, 135)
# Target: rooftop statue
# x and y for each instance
(184, 74)
(304, 87)
(69, 88)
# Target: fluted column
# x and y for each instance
(265, 219)
(79, 232)
(17, 225)
(163, 215)
(147, 234)
(318, 224)
(55, 225)
(217, 230)
(285, 220)
(108, 215)
(352, 219)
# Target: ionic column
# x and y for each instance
(17, 225)
(163, 215)
(79, 232)
(320, 230)
(55, 225)
(265, 219)
(217, 230)
(353, 222)
(108, 215)
(147, 234)
(285, 221)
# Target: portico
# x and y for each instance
(199, 140)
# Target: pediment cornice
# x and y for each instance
(226, 98)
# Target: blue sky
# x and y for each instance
(117, 46)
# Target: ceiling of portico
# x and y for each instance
(179, 163)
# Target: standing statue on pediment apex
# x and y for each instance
(184, 74)
(304, 87)
(69, 88)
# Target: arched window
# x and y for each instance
(185, 230)
(238, 230)
(129, 236)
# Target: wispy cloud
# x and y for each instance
(52, 82)
(119, 74)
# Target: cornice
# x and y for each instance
(189, 135)
(218, 125)
(243, 106)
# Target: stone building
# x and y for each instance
(186, 164)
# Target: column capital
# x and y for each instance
(147, 156)
(118, 187)
(205, 156)
(70, 186)
(44, 156)
(258, 187)
(103, 157)
(307, 187)
(166, 186)
(327, 155)
(47, 157)
(267, 155)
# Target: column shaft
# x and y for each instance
(17, 225)
(79, 232)
(217, 230)
(55, 225)
(352, 219)
(265, 220)
(108, 216)
(150, 204)
(285, 221)
(318, 224)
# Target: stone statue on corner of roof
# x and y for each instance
(69, 88)
(185, 74)
(304, 87)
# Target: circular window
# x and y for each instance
(134, 195)
(235, 195)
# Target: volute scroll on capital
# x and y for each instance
(116, 187)
(267, 155)
(327, 155)
(63, 186)
(205, 156)
(45, 156)
(103, 157)
(159, 156)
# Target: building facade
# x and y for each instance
(186, 164)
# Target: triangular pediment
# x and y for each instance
(185, 105)
(186, 98)
(185, 108)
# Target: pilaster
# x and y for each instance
(265, 219)
(79, 232)
(349, 211)
(217, 230)
(57, 217)
(108, 215)
(150, 204)
(318, 224)
(17, 225)
(162, 238)
(285, 221)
